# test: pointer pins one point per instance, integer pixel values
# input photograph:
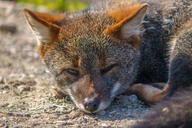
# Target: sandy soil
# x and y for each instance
(26, 95)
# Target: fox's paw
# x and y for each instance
(150, 93)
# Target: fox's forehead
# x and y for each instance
(85, 47)
(87, 23)
(89, 49)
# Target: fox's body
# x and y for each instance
(176, 111)
(102, 51)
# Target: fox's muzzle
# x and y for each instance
(92, 104)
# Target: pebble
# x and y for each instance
(36, 116)
(102, 113)
(22, 88)
(60, 109)
(5, 91)
(16, 126)
(104, 125)
(54, 116)
(2, 80)
(85, 120)
(27, 115)
(10, 114)
(8, 28)
(4, 105)
(1, 125)
(5, 86)
(19, 115)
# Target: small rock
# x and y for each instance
(1, 125)
(60, 109)
(16, 127)
(125, 100)
(102, 113)
(27, 115)
(10, 114)
(2, 80)
(54, 116)
(35, 116)
(4, 105)
(110, 116)
(85, 120)
(5, 86)
(8, 28)
(5, 91)
(19, 115)
(22, 88)
(112, 112)
(104, 125)
(4, 118)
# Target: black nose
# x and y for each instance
(92, 104)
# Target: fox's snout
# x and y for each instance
(91, 105)
(90, 94)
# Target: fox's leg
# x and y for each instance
(158, 85)
(150, 93)
(180, 76)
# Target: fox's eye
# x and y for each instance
(72, 72)
(107, 69)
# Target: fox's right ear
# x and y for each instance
(127, 23)
(45, 26)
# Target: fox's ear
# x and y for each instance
(128, 21)
(45, 26)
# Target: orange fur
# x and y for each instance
(54, 19)
(123, 16)
(49, 21)
(149, 92)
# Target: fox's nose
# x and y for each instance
(91, 105)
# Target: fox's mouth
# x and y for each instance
(100, 106)
(95, 104)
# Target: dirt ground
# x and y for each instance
(26, 95)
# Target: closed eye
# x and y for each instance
(107, 69)
(69, 71)
(72, 72)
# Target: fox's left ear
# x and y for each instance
(45, 26)
(128, 21)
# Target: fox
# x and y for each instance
(141, 47)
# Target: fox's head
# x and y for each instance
(93, 55)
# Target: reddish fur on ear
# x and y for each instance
(126, 13)
(42, 51)
(45, 27)
(127, 24)
(135, 41)
(54, 19)
(44, 19)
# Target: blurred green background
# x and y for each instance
(58, 5)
